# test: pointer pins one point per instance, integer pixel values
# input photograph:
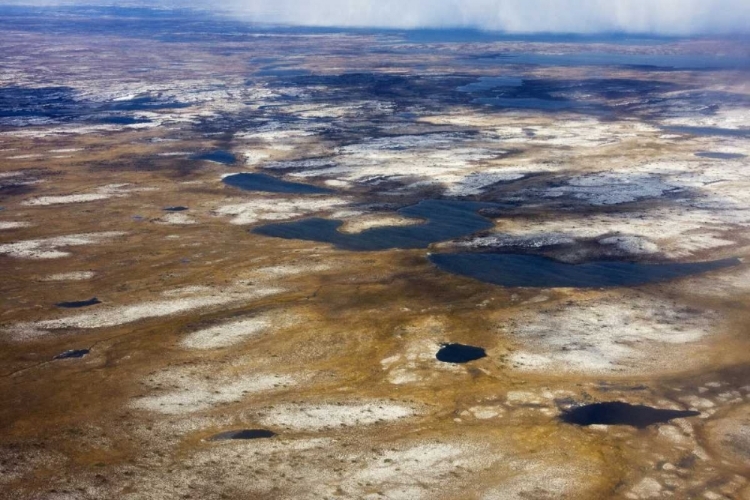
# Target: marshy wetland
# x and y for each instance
(362, 264)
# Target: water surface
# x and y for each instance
(514, 270)
(720, 156)
(645, 61)
(244, 434)
(73, 354)
(123, 120)
(485, 83)
(270, 184)
(80, 303)
(617, 413)
(218, 156)
(445, 220)
(708, 131)
(459, 353)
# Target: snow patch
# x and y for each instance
(103, 317)
(49, 248)
(72, 276)
(273, 209)
(191, 394)
(610, 336)
(235, 332)
(7, 225)
(102, 193)
(325, 415)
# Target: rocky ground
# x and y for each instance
(205, 327)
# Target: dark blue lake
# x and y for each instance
(218, 156)
(514, 270)
(617, 413)
(445, 220)
(269, 184)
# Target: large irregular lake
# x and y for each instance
(445, 220)
(513, 270)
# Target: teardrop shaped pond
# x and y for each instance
(618, 413)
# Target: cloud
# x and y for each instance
(674, 17)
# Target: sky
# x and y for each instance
(669, 17)
(664, 17)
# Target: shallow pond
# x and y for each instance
(244, 434)
(80, 303)
(720, 156)
(73, 354)
(708, 131)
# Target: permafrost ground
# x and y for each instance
(205, 327)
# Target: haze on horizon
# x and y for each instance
(668, 17)
(659, 17)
